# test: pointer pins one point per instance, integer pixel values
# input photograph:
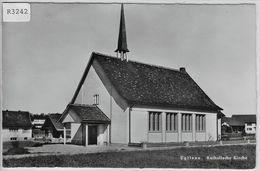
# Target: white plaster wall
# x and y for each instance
(186, 136)
(219, 128)
(200, 136)
(74, 129)
(102, 134)
(20, 134)
(155, 137)
(253, 127)
(171, 137)
(119, 124)
(139, 126)
(119, 120)
(93, 85)
(71, 117)
(211, 127)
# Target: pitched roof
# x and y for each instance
(221, 114)
(16, 119)
(149, 85)
(225, 119)
(54, 120)
(89, 113)
(240, 120)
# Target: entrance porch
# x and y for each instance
(85, 125)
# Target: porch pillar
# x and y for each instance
(163, 127)
(193, 124)
(86, 135)
(179, 127)
(64, 135)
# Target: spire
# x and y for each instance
(122, 43)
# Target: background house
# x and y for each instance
(239, 124)
(243, 123)
(38, 121)
(16, 125)
(51, 127)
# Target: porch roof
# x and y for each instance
(89, 113)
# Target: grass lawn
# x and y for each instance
(9, 144)
(17, 147)
(170, 158)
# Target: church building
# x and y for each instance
(122, 101)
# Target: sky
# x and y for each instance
(44, 59)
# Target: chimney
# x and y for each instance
(183, 70)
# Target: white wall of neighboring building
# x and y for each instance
(20, 134)
(219, 128)
(250, 128)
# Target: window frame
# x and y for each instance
(154, 122)
(184, 120)
(173, 122)
(200, 124)
(96, 99)
(13, 138)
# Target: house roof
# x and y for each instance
(142, 84)
(225, 119)
(16, 119)
(221, 115)
(89, 113)
(240, 120)
(54, 120)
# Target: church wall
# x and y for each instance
(93, 85)
(139, 117)
(76, 133)
(139, 127)
(211, 127)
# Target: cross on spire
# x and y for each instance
(122, 43)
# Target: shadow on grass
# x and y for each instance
(16, 150)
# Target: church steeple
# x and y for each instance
(122, 43)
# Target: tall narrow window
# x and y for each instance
(200, 122)
(171, 121)
(96, 99)
(155, 121)
(186, 122)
